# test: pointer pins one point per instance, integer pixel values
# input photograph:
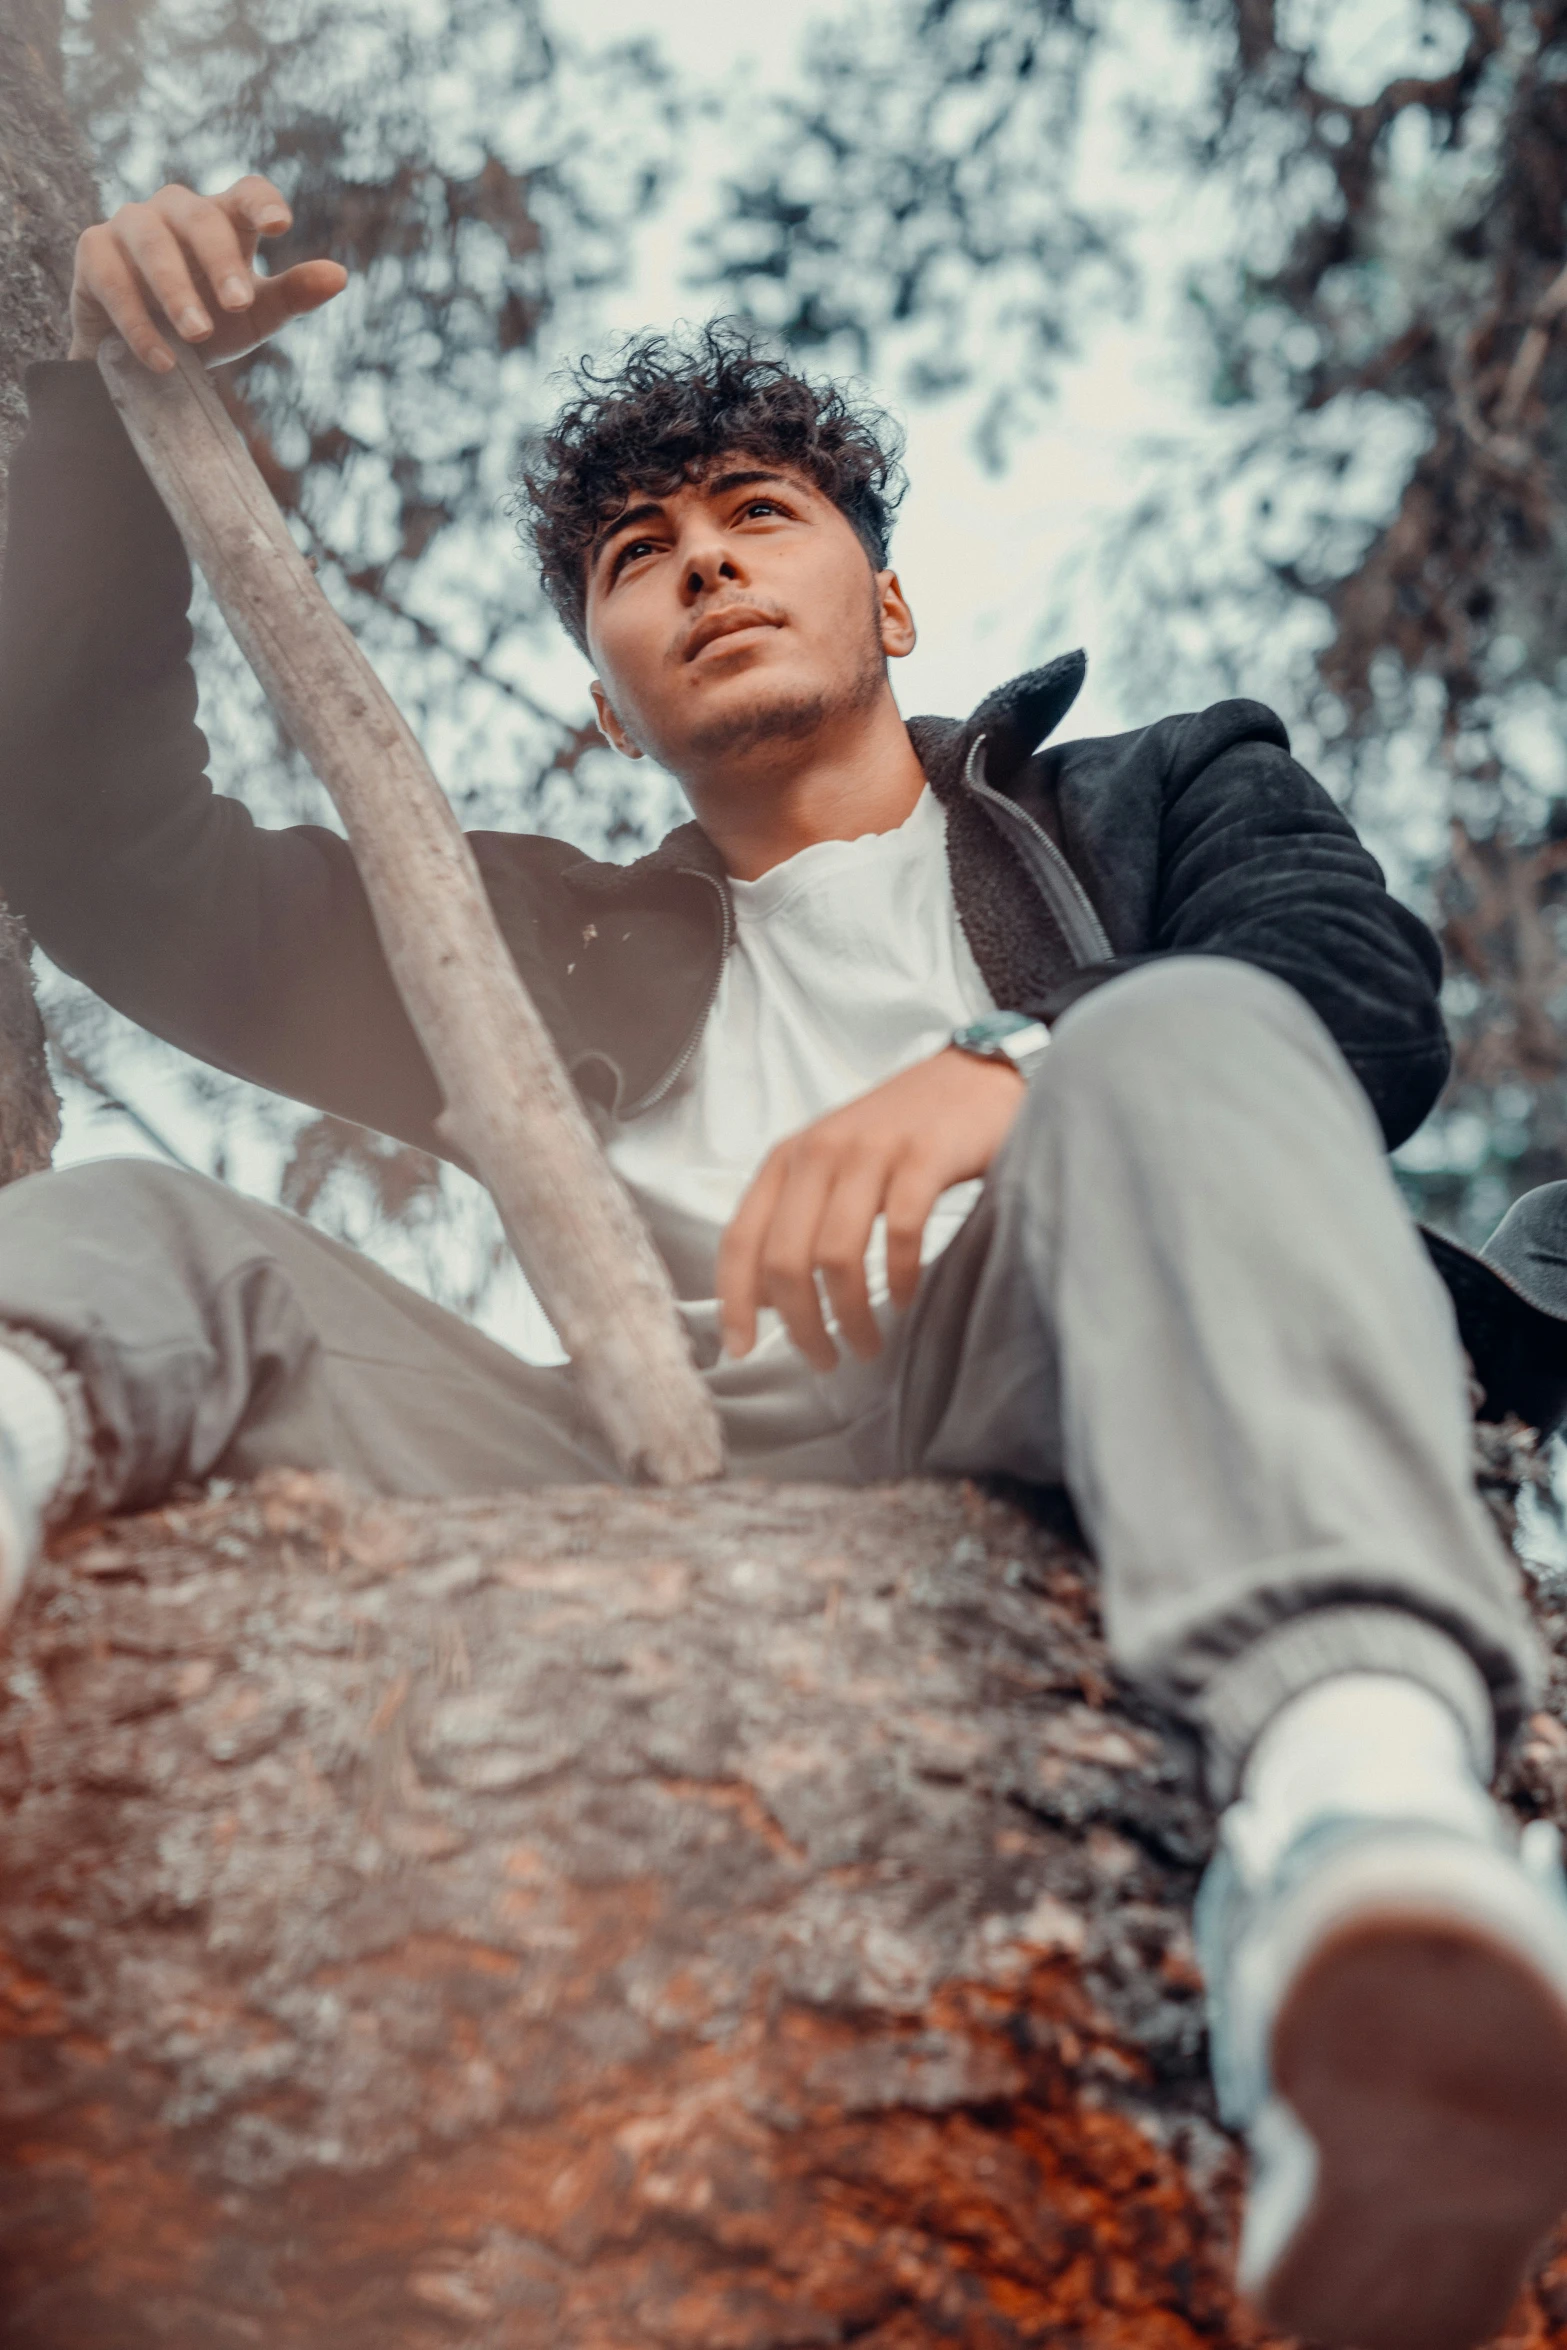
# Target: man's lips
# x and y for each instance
(729, 622)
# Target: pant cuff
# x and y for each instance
(76, 1478)
(1246, 1693)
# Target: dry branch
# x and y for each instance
(511, 1109)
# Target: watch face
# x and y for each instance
(990, 1033)
(1005, 1036)
(996, 1027)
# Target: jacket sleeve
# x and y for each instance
(253, 949)
(1256, 861)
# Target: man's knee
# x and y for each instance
(100, 1189)
(1165, 1024)
(121, 1213)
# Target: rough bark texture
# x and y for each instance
(741, 1919)
(29, 1105)
(46, 200)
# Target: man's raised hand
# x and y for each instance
(184, 265)
(810, 1209)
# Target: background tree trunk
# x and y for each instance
(29, 1105)
(46, 200)
(591, 1919)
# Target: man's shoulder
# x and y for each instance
(1169, 750)
(1017, 721)
(524, 855)
(525, 871)
(542, 853)
(1111, 800)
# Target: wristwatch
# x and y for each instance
(1005, 1036)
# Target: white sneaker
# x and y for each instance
(1388, 2013)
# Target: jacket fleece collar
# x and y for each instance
(1014, 721)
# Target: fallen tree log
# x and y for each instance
(743, 1919)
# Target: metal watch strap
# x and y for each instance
(1005, 1036)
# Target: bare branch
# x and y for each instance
(511, 1108)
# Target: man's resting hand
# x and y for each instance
(815, 1198)
(186, 262)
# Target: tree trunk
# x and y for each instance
(29, 1105)
(598, 1919)
(46, 200)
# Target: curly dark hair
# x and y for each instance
(662, 411)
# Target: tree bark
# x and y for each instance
(29, 1105)
(46, 200)
(740, 1920)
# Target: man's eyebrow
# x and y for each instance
(723, 483)
(742, 478)
(646, 512)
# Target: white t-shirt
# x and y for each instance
(848, 964)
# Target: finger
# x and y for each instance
(154, 251)
(207, 234)
(255, 209)
(740, 1258)
(788, 1277)
(912, 1193)
(105, 277)
(293, 292)
(841, 1242)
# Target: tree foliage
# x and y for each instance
(922, 185)
(1365, 520)
(1420, 267)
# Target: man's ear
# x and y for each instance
(610, 727)
(897, 621)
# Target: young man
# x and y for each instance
(998, 1108)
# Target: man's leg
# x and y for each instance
(1192, 1294)
(208, 1334)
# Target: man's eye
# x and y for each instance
(630, 551)
(764, 506)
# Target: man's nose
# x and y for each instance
(708, 563)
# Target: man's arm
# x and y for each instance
(814, 1199)
(1256, 861)
(254, 950)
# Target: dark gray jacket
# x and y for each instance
(255, 949)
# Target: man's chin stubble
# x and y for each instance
(760, 720)
(755, 722)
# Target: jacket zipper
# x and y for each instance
(1058, 885)
(679, 1065)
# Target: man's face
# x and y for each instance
(735, 613)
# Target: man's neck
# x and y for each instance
(845, 781)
